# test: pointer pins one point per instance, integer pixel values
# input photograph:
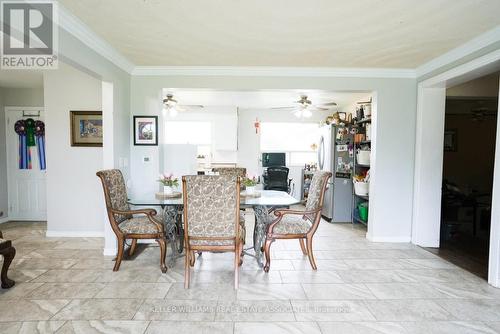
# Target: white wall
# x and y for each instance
(392, 176)
(13, 97)
(78, 54)
(75, 203)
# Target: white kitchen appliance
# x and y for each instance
(335, 155)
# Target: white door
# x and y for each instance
(27, 187)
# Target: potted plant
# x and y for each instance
(249, 184)
(168, 182)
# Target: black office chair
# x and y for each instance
(276, 178)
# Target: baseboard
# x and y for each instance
(109, 251)
(389, 239)
(74, 234)
(4, 220)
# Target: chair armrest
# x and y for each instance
(150, 213)
(280, 213)
(1, 235)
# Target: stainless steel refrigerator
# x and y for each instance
(335, 155)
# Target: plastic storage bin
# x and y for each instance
(363, 211)
(361, 188)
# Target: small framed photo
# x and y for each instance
(86, 128)
(450, 140)
(146, 130)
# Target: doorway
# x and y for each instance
(468, 164)
(426, 222)
(26, 184)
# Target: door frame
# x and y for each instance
(429, 158)
(6, 110)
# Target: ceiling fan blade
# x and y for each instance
(329, 104)
(321, 108)
(193, 106)
(283, 108)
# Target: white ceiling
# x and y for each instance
(21, 79)
(326, 33)
(263, 98)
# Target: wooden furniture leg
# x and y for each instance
(8, 255)
(119, 256)
(236, 266)
(303, 246)
(267, 249)
(163, 253)
(187, 268)
(310, 252)
(133, 245)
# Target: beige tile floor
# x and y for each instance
(65, 285)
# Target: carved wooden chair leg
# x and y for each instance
(267, 247)
(303, 246)
(163, 253)
(132, 248)
(236, 266)
(310, 252)
(192, 258)
(8, 256)
(119, 256)
(187, 269)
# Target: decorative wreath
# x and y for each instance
(39, 128)
(20, 127)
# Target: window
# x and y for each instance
(296, 139)
(183, 132)
(190, 132)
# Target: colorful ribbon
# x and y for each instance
(30, 133)
(40, 143)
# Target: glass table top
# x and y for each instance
(267, 198)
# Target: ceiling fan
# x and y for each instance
(480, 114)
(304, 107)
(172, 106)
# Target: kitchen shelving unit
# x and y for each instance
(360, 128)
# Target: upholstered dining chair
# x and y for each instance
(299, 224)
(126, 223)
(233, 171)
(8, 252)
(212, 219)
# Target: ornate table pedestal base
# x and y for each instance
(173, 230)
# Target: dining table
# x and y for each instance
(263, 203)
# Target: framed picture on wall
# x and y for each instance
(86, 128)
(146, 130)
(450, 140)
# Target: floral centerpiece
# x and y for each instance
(168, 182)
(249, 183)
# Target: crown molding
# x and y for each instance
(269, 71)
(81, 31)
(475, 44)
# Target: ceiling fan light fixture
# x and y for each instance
(298, 113)
(306, 113)
(173, 112)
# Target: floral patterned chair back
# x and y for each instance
(233, 171)
(115, 192)
(316, 190)
(212, 206)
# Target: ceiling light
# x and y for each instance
(173, 112)
(298, 113)
(306, 113)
